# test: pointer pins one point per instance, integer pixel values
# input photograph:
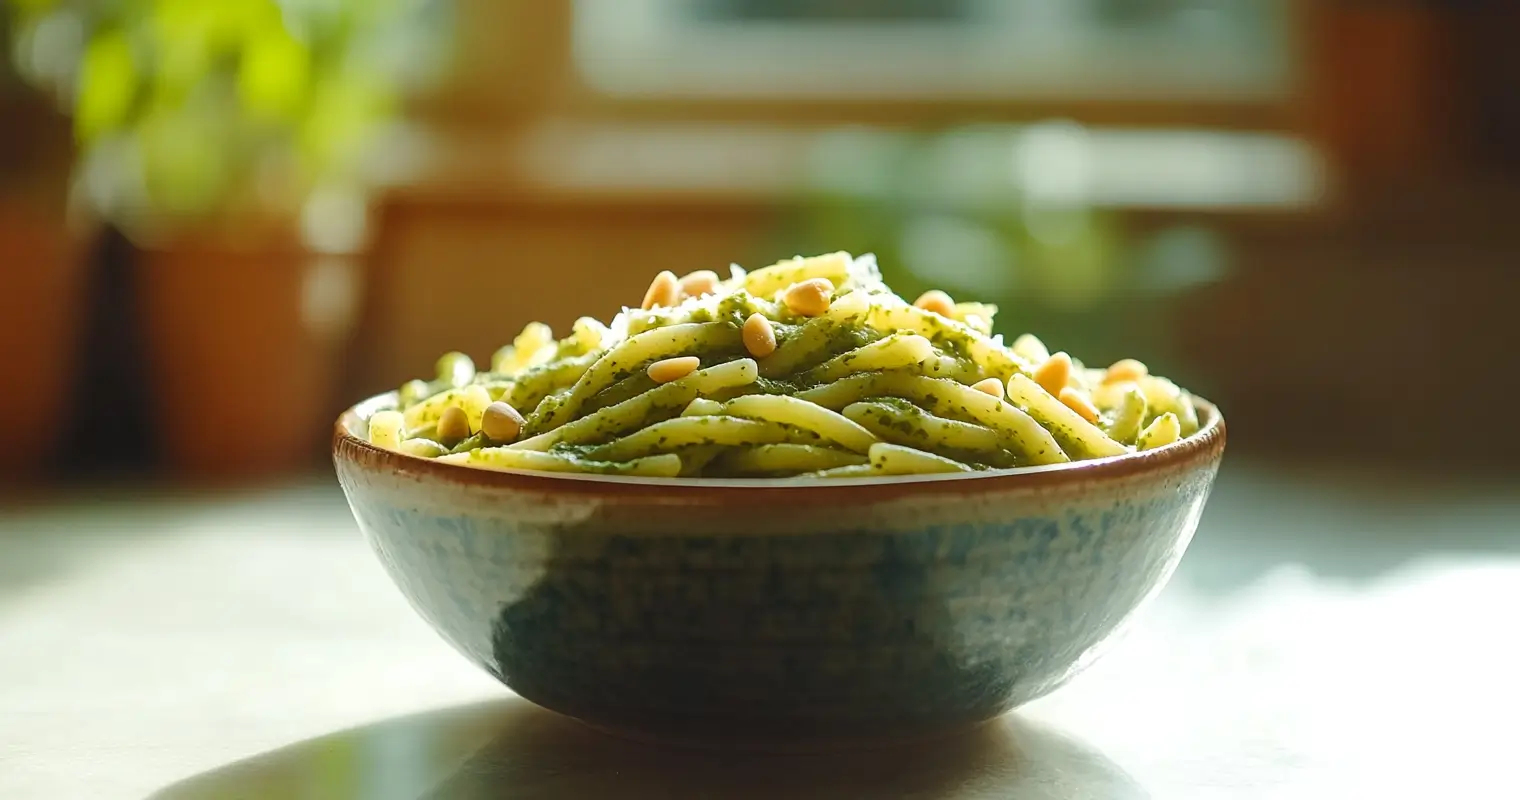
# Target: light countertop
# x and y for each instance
(1341, 638)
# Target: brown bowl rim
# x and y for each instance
(1206, 443)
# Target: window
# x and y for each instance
(1166, 50)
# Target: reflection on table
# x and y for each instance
(512, 749)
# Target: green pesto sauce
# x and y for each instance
(887, 422)
(784, 331)
(736, 308)
(950, 342)
(773, 386)
(901, 404)
(848, 337)
(471, 443)
(626, 389)
(544, 410)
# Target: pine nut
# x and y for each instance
(501, 422)
(991, 386)
(453, 426)
(1054, 373)
(809, 298)
(759, 335)
(1078, 402)
(1127, 369)
(936, 301)
(673, 369)
(699, 283)
(664, 291)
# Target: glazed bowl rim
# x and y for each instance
(1204, 444)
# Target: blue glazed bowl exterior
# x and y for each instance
(879, 608)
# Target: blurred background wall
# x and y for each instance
(222, 222)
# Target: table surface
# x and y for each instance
(1325, 637)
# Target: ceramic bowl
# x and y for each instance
(785, 610)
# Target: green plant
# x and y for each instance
(195, 112)
(991, 212)
(1003, 214)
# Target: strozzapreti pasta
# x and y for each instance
(810, 367)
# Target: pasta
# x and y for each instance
(904, 423)
(809, 368)
(771, 459)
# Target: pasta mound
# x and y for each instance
(811, 367)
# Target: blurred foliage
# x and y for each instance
(950, 210)
(194, 111)
(1001, 214)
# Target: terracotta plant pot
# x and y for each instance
(42, 265)
(244, 343)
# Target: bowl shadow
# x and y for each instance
(512, 749)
